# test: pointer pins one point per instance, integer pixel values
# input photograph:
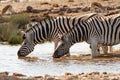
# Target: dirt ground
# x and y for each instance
(82, 6)
(67, 76)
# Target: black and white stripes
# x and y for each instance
(94, 30)
(49, 29)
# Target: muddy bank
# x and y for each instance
(66, 76)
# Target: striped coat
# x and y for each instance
(49, 29)
(94, 30)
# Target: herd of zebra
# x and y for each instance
(97, 30)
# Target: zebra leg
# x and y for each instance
(105, 49)
(110, 49)
(95, 49)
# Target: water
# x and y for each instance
(46, 65)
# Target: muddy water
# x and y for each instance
(44, 64)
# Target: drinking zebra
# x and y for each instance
(95, 30)
(49, 29)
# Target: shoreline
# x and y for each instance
(66, 76)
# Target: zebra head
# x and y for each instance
(27, 46)
(63, 48)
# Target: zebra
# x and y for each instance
(50, 29)
(97, 30)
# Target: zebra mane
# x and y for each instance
(88, 16)
(35, 22)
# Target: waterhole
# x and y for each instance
(40, 61)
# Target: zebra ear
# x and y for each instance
(22, 33)
(29, 26)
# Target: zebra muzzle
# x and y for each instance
(56, 54)
(20, 54)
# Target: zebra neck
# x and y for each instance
(65, 24)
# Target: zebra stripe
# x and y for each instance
(48, 29)
(97, 30)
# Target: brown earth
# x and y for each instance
(67, 76)
(63, 7)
